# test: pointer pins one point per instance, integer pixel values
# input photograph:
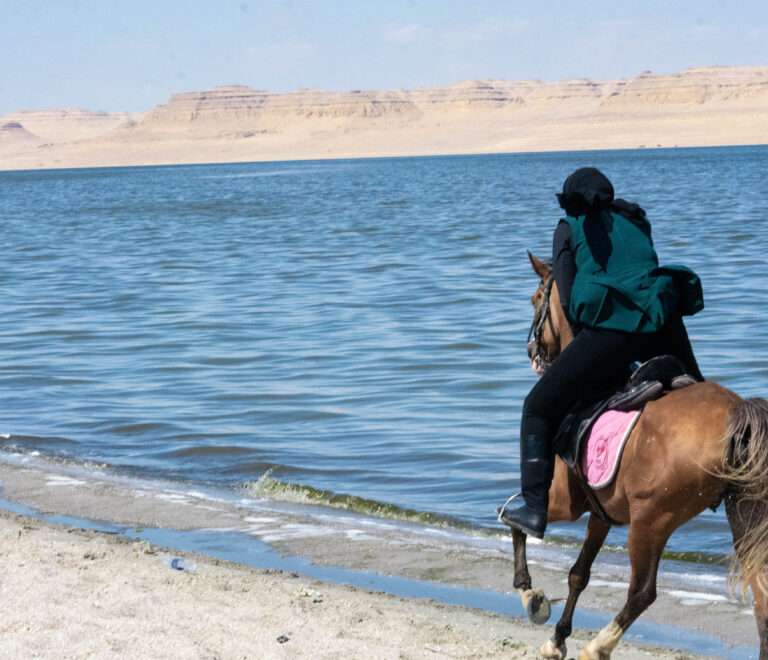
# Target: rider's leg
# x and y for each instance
(596, 361)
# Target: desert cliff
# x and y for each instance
(696, 107)
(69, 123)
(12, 133)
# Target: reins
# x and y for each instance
(540, 360)
(536, 350)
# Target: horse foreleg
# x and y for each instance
(646, 543)
(522, 576)
(535, 602)
(578, 578)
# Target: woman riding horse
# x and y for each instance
(622, 307)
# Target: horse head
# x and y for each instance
(550, 331)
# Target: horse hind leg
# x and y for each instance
(646, 543)
(578, 578)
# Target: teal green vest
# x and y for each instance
(619, 284)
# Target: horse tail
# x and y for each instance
(746, 470)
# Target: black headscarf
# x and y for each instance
(588, 190)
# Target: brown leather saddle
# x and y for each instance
(651, 380)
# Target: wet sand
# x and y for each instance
(82, 594)
(105, 595)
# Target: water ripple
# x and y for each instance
(359, 325)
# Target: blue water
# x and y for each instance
(357, 326)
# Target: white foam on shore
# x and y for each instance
(172, 497)
(704, 577)
(275, 521)
(296, 531)
(59, 480)
(197, 494)
(358, 535)
(608, 583)
(697, 596)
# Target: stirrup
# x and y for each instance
(500, 510)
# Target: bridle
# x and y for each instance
(537, 352)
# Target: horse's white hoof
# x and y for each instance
(538, 608)
(601, 647)
(552, 652)
(590, 653)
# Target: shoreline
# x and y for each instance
(85, 593)
(354, 156)
(386, 556)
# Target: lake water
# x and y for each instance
(353, 326)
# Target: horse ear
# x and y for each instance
(539, 267)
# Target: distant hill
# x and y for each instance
(13, 133)
(696, 107)
(65, 124)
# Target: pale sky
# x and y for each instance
(131, 55)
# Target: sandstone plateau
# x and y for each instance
(13, 133)
(697, 107)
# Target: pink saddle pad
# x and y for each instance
(607, 438)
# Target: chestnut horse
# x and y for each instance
(689, 450)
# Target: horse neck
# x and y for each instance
(559, 319)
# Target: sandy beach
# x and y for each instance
(99, 584)
(73, 593)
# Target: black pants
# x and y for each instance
(594, 364)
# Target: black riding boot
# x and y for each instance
(537, 466)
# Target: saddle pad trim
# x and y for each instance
(609, 476)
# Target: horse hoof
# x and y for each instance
(552, 652)
(590, 654)
(538, 608)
